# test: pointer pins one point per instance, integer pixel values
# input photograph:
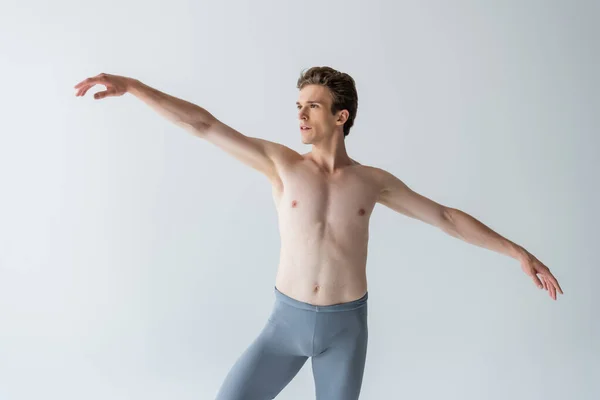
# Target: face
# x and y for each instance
(314, 111)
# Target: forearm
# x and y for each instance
(183, 113)
(463, 226)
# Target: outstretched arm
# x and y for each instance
(262, 155)
(396, 195)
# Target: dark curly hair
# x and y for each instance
(341, 86)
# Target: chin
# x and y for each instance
(306, 140)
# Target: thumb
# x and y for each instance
(105, 93)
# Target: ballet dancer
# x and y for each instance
(324, 200)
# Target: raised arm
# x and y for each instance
(262, 155)
(396, 195)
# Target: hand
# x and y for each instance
(534, 267)
(115, 85)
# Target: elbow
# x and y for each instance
(448, 221)
(447, 214)
(201, 128)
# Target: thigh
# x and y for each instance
(263, 369)
(338, 370)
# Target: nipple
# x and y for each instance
(361, 211)
(294, 203)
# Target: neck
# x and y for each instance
(330, 154)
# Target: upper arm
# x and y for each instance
(396, 195)
(262, 155)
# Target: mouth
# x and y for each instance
(304, 128)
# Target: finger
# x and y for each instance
(83, 89)
(551, 280)
(537, 281)
(555, 282)
(100, 78)
(106, 93)
(555, 289)
(86, 88)
(551, 291)
(79, 84)
(544, 282)
(85, 82)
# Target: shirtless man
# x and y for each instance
(324, 200)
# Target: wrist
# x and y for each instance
(518, 252)
(132, 85)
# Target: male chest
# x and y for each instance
(342, 201)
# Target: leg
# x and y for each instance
(338, 369)
(264, 369)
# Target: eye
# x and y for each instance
(313, 105)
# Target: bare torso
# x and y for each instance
(324, 229)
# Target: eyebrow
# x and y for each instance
(310, 101)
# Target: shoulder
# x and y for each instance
(282, 155)
(378, 178)
(375, 174)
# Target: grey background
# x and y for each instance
(138, 262)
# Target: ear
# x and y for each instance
(343, 116)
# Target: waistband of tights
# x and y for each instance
(351, 305)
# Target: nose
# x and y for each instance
(301, 114)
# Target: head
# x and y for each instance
(327, 103)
